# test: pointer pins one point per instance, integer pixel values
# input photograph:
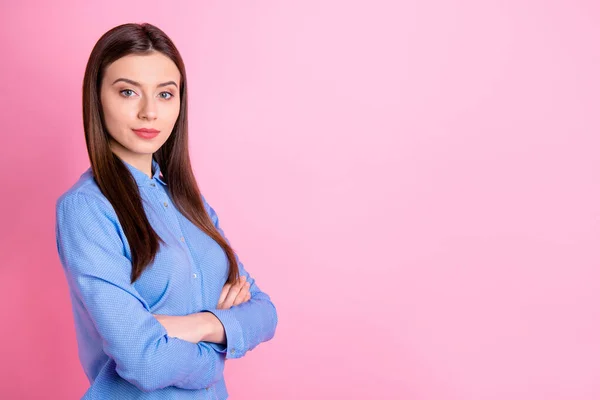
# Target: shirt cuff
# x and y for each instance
(218, 347)
(235, 347)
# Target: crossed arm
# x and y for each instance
(205, 326)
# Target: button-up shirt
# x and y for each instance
(125, 352)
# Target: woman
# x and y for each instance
(159, 297)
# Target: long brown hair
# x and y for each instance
(111, 174)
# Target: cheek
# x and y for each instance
(123, 110)
(172, 113)
(118, 114)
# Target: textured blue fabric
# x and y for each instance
(125, 352)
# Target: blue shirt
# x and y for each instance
(125, 352)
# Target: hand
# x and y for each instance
(185, 327)
(194, 328)
(233, 295)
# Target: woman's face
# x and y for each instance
(140, 91)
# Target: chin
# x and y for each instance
(146, 150)
(143, 148)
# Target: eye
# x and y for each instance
(167, 98)
(127, 90)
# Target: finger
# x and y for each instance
(224, 293)
(243, 293)
(233, 292)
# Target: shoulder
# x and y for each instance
(84, 197)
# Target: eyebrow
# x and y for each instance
(139, 85)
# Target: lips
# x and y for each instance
(146, 133)
(146, 130)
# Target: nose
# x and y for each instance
(148, 109)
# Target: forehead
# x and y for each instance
(150, 69)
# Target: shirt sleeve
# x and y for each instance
(98, 272)
(248, 324)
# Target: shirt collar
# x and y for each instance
(142, 179)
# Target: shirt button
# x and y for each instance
(166, 204)
(195, 275)
(182, 239)
(153, 184)
(232, 351)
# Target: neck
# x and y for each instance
(141, 161)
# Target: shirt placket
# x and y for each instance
(173, 223)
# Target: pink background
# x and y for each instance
(415, 183)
